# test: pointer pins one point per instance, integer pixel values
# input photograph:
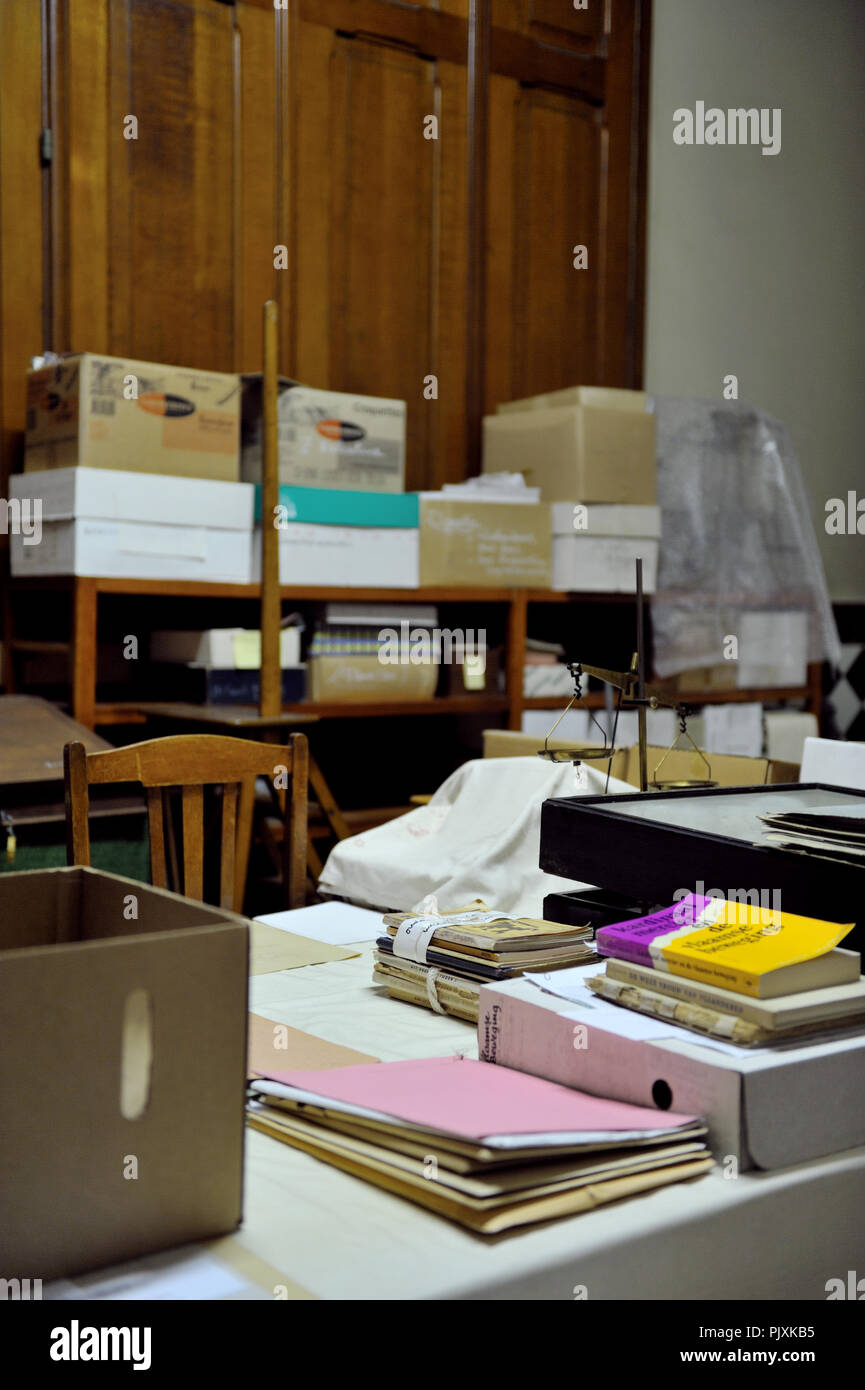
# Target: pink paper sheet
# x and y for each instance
(472, 1100)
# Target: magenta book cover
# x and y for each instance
(632, 940)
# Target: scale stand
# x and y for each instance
(636, 694)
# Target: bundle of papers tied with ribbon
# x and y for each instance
(440, 961)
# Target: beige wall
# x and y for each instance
(756, 263)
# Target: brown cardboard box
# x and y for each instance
(604, 397)
(122, 1070)
(327, 439)
(82, 412)
(488, 544)
(351, 678)
(576, 453)
(728, 770)
(722, 676)
(510, 743)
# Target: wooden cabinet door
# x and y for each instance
(564, 173)
(375, 233)
(145, 173)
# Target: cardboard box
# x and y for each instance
(339, 677)
(595, 455)
(595, 546)
(122, 1070)
(510, 743)
(727, 770)
(765, 1108)
(554, 679)
(602, 397)
(773, 648)
(345, 537)
(93, 411)
(722, 676)
(135, 526)
(327, 439)
(484, 544)
(222, 648)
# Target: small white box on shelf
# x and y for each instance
(595, 546)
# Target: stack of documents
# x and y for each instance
(487, 1147)
(829, 832)
(441, 962)
(733, 970)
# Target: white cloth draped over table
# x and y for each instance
(479, 837)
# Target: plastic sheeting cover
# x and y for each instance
(737, 533)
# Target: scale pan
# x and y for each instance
(683, 784)
(586, 754)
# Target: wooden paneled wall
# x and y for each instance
(257, 127)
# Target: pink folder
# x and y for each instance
(474, 1100)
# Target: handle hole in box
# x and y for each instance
(662, 1095)
(136, 1055)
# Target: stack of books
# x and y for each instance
(744, 973)
(488, 1147)
(441, 962)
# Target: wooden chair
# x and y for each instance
(191, 762)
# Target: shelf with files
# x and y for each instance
(85, 592)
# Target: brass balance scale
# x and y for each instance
(636, 694)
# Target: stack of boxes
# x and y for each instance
(148, 471)
(591, 451)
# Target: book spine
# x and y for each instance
(682, 987)
(721, 976)
(625, 950)
(559, 1046)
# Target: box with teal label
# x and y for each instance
(342, 537)
(317, 506)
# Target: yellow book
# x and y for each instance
(748, 949)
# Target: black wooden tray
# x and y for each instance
(650, 845)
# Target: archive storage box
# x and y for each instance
(122, 1070)
(766, 1107)
(595, 547)
(576, 453)
(484, 544)
(114, 412)
(327, 439)
(339, 536)
(133, 526)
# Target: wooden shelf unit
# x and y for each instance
(84, 593)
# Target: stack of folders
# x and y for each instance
(488, 1147)
(441, 962)
(732, 970)
(828, 832)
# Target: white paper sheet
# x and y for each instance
(340, 924)
(170, 1277)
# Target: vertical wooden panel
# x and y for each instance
(20, 220)
(147, 267)
(545, 192)
(82, 125)
(256, 131)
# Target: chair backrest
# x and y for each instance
(192, 762)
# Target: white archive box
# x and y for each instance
(382, 557)
(595, 546)
(766, 1107)
(119, 525)
(222, 648)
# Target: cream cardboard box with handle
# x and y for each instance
(122, 1070)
